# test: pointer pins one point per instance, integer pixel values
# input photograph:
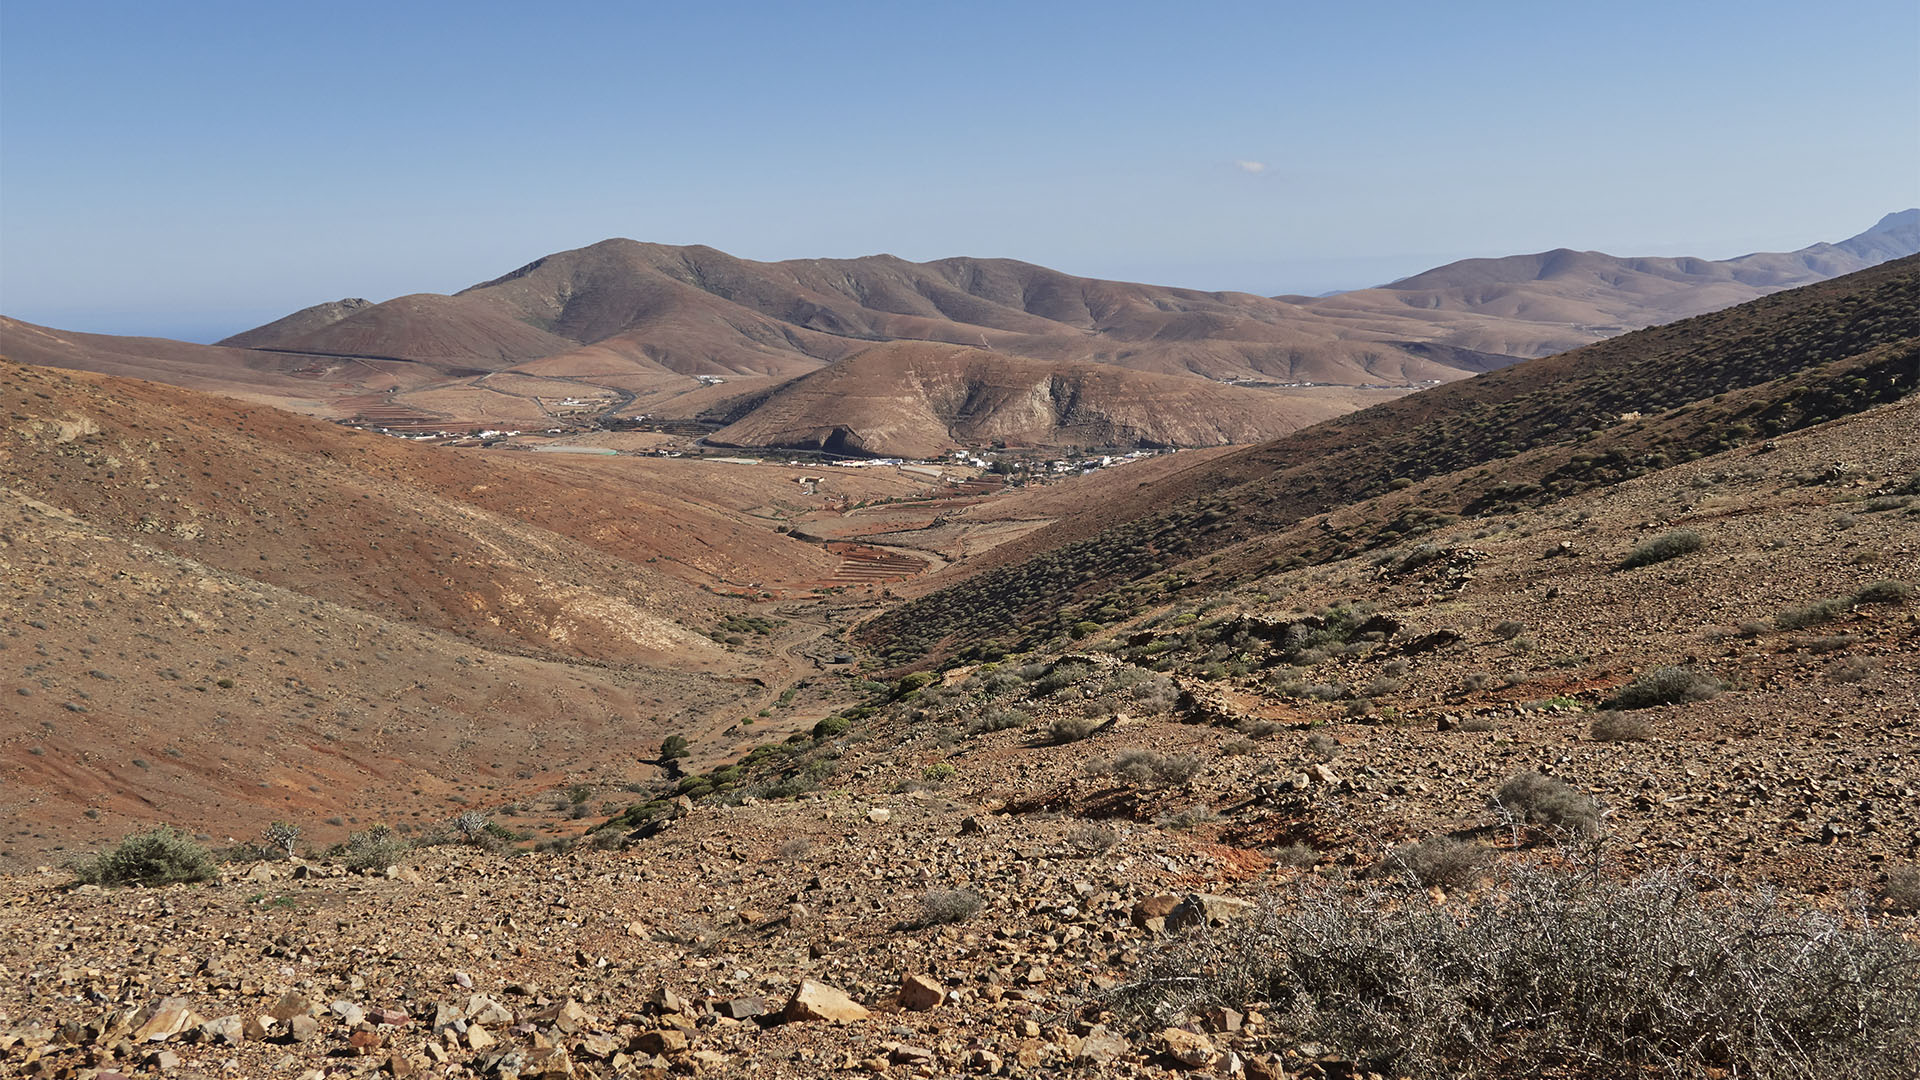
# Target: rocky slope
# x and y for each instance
(959, 897)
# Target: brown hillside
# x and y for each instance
(1609, 411)
(923, 400)
(1533, 305)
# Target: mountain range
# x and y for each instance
(643, 329)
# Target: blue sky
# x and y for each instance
(190, 169)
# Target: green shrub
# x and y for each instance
(374, 849)
(831, 727)
(1666, 546)
(1666, 686)
(674, 747)
(161, 856)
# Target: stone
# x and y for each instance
(303, 1028)
(1265, 1069)
(974, 824)
(484, 1010)
(389, 1017)
(743, 1008)
(349, 1013)
(227, 1029)
(363, 1043)
(664, 1000)
(1224, 1020)
(707, 1061)
(1201, 909)
(257, 1026)
(478, 1039)
(879, 815)
(918, 993)
(165, 1020)
(551, 1061)
(905, 1054)
(1151, 913)
(664, 1041)
(568, 1016)
(289, 1006)
(1101, 1047)
(1190, 1049)
(818, 1001)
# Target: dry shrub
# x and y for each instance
(1067, 729)
(1901, 892)
(1614, 726)
(998, 720)
(1666, 686)
(1147, 767)
(1538, 799)
(1091, 838)
(1852, 669)
(1604, 977)
(1437, 860)
(941, 906)
(1661, 548)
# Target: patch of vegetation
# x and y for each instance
(161, 856)
(1091, 838)
(1611, 725)
(1884, 592)
(1067, 729)
(1437, 860)
(1666, 686)
(1820, 611)
(942, 906)
(1537, 799)
(1652, 975)
(998, 720)
(372, 849)
(1146, 767)
(1666, 546)
(734, 628)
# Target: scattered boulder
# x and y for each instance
(818, 1001)
(1190, 1049)
(918, 993)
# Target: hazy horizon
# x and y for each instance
(192, 172)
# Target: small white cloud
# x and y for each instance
(1255, 167)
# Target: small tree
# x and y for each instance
(674, 747)
(281, 836)
(471, 827)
